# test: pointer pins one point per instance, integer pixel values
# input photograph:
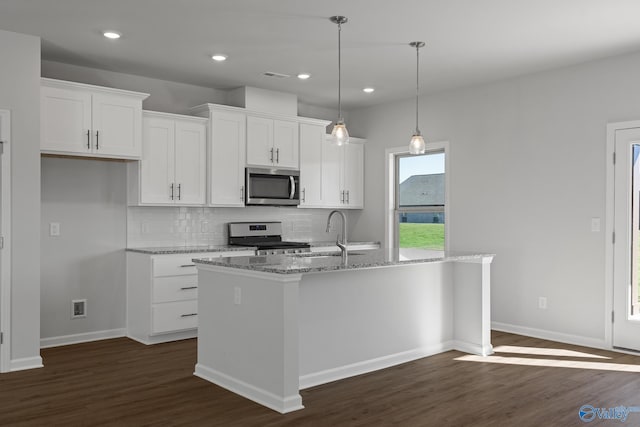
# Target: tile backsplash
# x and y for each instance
(154, 226)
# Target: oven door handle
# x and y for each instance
(292, 181)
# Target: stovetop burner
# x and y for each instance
(266, 236)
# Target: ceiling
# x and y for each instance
(468, 41)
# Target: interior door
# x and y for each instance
(626, 316)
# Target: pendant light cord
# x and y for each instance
(339, 73)
(417, 83)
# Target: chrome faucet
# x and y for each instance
(341, 244)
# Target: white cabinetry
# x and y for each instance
(272, 143)
(227, 153)
(172, 170)
(162, 295)
(337, 179)
(312, 139)
(85, 120)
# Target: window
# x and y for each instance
(420, 198)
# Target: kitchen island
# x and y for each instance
(272, 325)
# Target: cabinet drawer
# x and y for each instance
(180, 265)
(174, 316)
(175, 288)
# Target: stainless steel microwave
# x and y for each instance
(274, 187)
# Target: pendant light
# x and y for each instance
(417, 144)
(339, 135)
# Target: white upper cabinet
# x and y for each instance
(172, 170)
(353, 175)
(343, 174)
(227, 153)
(272, 143)
(85, 120)
(311, 142)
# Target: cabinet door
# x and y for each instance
(260, 151)
(353, 176)
(227, 158)
(286, 144)
(191, 158)
(65, 120)
(157, 165)
(311, 141)
(117, 129)
(332, 171)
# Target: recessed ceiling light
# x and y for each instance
(304, 76)
(219, 57)
(112, 35)
(368, 89)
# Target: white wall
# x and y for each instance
(87, 261)
(20, 93)
(527, 175)
(166, 96)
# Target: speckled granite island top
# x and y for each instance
(331, 261)
(189, 249)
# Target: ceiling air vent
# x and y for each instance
(276, 75)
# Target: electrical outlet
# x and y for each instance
(542, 303)
(54, 229)
(595, 225)
(78, 308)
(237, 295)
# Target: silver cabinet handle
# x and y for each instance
(347, 196)
(271, 156)
(186, 288)
(179, 191)
(171, 191)
(304, 194)
(88, 139)
(342, 197)
(277, 155)
(189, 315)
(97, 140)
(242, 193)
(187, 265)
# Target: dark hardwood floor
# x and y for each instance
(120, 382)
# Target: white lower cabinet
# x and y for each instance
(162, 295)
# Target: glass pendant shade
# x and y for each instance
(417, 144)
(340, 135)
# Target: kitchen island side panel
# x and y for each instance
(355, 321)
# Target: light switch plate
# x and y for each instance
(54, 229)
(595, 225)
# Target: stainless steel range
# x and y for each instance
(266, 236)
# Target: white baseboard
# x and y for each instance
(25, 363)
(80, 338)
(157, 339)
(334, 374)
(551, 335)
(479, 350)
(258, 395)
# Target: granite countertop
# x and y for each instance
(333, 243)
(190, 249)
(331, 261)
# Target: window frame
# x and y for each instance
(392, 210)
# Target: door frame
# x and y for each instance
(5, 252)
(610, 224)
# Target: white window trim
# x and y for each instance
(390, 223)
